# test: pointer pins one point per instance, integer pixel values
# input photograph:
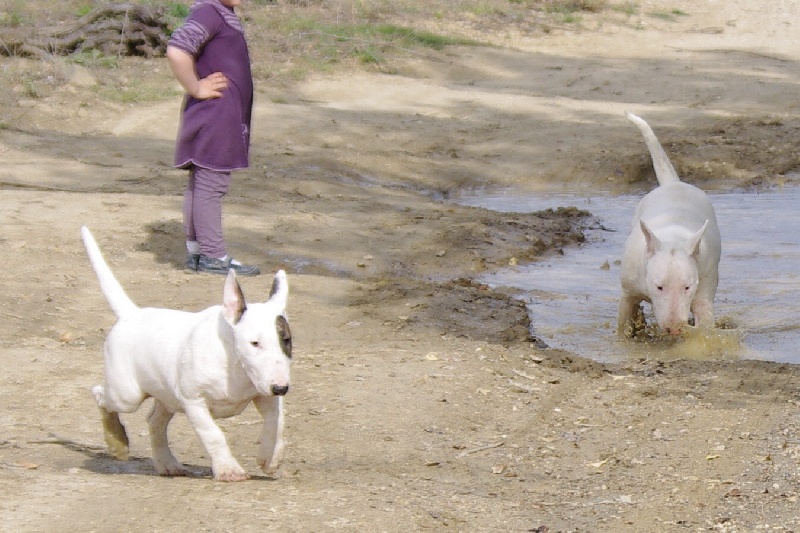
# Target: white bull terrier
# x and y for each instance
(671, 257)
(209, 364)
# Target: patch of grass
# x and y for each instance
(15, 14)
(416, 37)
(670, 15)
(29, 90)
(84, 10)
(369, 55)
(129, 90)
(627, 8)
(175, 14)
(569, 17)
(177, 10)
(575, 6)
(127, 95)
(484, 9)
(570, 10)
(93, 58)
(289, 39)
(295, 37)
(375, 34)
(326, 42)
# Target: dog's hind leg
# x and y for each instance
(113, 431)
(163, 460)
(270, 449)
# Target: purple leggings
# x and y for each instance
(202, 209)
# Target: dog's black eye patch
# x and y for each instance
(284, 335)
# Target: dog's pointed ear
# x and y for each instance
(284, 335)
(280, 289)
(651, 241)
(694, 243)
(233, 303)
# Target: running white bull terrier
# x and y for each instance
(209, 364)
(671, 257)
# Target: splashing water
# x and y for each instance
(572, 299)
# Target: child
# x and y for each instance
(208, 56)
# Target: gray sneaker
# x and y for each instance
(191, 262)
(218, 266)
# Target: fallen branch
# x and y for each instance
(113, 30)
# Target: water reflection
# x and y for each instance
(572, 299)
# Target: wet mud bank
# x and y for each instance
(439, 294)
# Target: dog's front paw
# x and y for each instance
(269, 458)
(273, 473)
(271, 468)
(230, 474)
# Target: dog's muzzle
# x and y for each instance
(279, 390)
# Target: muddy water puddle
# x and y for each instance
(572, 298)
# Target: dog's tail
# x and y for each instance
(665, 172)
(112, 290)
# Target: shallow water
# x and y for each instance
(572, 299)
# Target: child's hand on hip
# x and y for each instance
(211, 86)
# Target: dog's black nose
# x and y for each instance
(279, 390)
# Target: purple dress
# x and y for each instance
(215, 133)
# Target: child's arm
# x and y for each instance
(182, 65)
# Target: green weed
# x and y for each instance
(84, 10)
(93, 58)
(627, 8)
(668, 15)
(15, 14)
(177, 10)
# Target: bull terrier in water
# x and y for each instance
(208, 365)
(671, 257)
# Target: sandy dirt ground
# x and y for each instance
(421, 400)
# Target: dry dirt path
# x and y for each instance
(414, 404)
